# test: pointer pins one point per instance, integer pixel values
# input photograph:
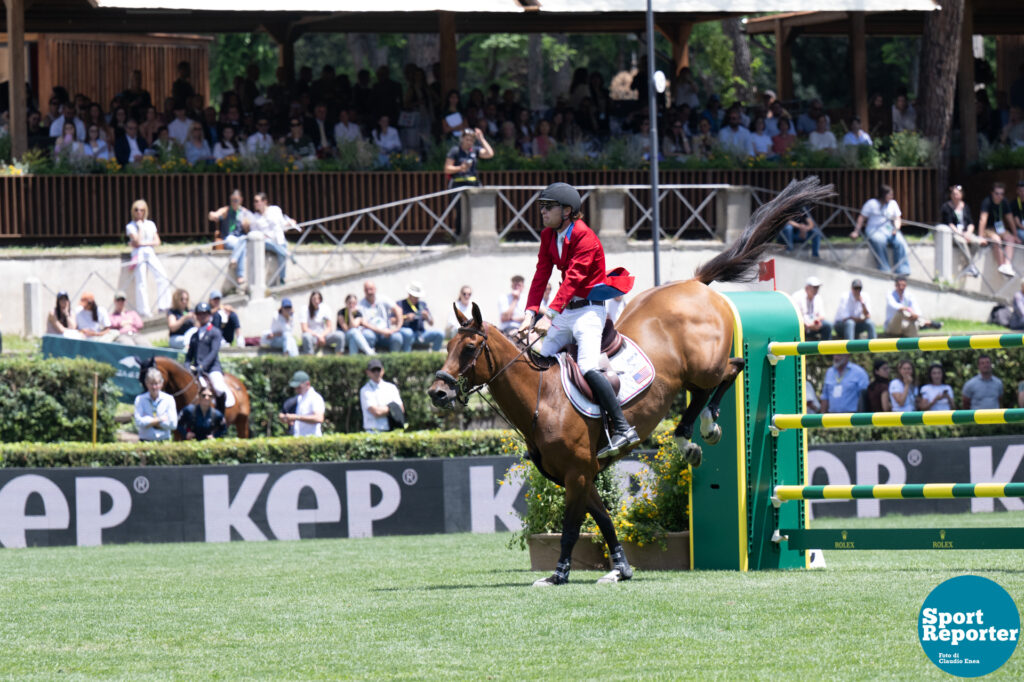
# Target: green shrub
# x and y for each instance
(908, 149)
(50, 400)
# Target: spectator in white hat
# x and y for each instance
(812, 310)
(415, 319)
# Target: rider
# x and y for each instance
(575, 311)
(204, 352)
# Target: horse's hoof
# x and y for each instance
(550, 581)
(613, 576)
(692, 454)
(714, 435)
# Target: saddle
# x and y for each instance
(611, 344)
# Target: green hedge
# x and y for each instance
(51, 400)
(285, 449)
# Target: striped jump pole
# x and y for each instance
(842, 420)
(930, 491)
(779, 349)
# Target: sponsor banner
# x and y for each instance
(995, 459)
(125, 359)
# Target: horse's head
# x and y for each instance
(459, 373)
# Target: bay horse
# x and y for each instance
(184, 388)
(684, 327)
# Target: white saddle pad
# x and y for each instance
(229, 395)
(635, 374)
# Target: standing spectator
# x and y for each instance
(904, 118)
(315, 324)
(93, 321)
(380, 400)
(856, 135)
(799, 229)
(983, 391)
(309, 408)
(512, 306)
(812, 310)
(821, 138)
(785, 139)
(883, 217)
(460, 164)
(734, 138)
(997, 224)
(811, 399)
(281, 335)
(845, 381)
(60, 320)
(349, 318)
(956, 215)
(853, 317)
(180, 322)
(386, 94)
(197, 149)
(125, 322)
(181, 89)
(465, 306)
(879, 116)
(415, 318)
(67, 116)
(129, 147)
(936, 394)
(201, 421)
(877, 396)
(272, 222)
(902, 316)
(135, 97)
(903, 390)
(452, 122)
(233, 223)
(381, 323)
(143, 237)
(155, 414)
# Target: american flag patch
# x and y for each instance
(642, 375)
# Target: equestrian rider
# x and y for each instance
(204, 352)
(573, 313)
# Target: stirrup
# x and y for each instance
(619, 442)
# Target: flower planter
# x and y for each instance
(589, 556)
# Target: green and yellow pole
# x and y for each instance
(844, 420)
(930, 491)
(922, 343)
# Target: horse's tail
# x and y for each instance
(735, 263)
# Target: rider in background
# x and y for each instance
(204, 352)
(572, 314)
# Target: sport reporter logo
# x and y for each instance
(968, 626)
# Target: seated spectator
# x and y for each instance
(125, 322)
(543, 144)
(904, 118)
(956, 215)
(415, 318)
(272, 222)
(315, 325)
(1012, 133)
(197, 149)
(320, 130)
(95, 146)
(155, 414)
(903, 390)
(812, 310)
(297, 143)
(381, 323)
(380, 401)
(128, 148)
(260, 142)
(807, 123)
(181, 323)
(67, 144)
(799, 229)
(936, 394)
(201, 421)
(876, 397)
(150, 125)
(180, 128)
(93, 321)
(759, 138)
(734, 138)
(997, 224)
(983, 391)
(162, 147)
(512, 306)
(345, 130)
(60, 321)
(1017, 208)
(845, 381)
(902, 317)
(822, 138)
(226, 145)
(713, 113)
(856, 135)
(224, 318)
(281, 335)
(782, 142)
(853, 317)
(883, 218)
(507, 137)
(676, 145)
(465, 305)
(704, 142)
(349, 318)
(386, 138)
(233, 224)
(309, 409)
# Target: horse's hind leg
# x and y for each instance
(621, 569)
(575, 509)
(709, 429)
(684, 432)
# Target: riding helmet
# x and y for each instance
(202, 307)
(564, 193)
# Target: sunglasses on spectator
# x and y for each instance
(207, 395)
(466, 293)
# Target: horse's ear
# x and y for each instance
(478, 319)
(463, 320)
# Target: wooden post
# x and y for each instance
(859, 68)
(285, 36)
(679, 35)
(449, 59)
(783, 62)
(965, 94)
(17, 75)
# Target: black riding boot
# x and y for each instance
(222, 399)
(622, 434)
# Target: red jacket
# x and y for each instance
(581, 264)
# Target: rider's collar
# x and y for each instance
(565, 233)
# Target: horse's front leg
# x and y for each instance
(621, 569)
(575, 509)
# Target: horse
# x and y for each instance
(684, 327)
(184, 388)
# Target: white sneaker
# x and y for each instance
(1007, 269)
